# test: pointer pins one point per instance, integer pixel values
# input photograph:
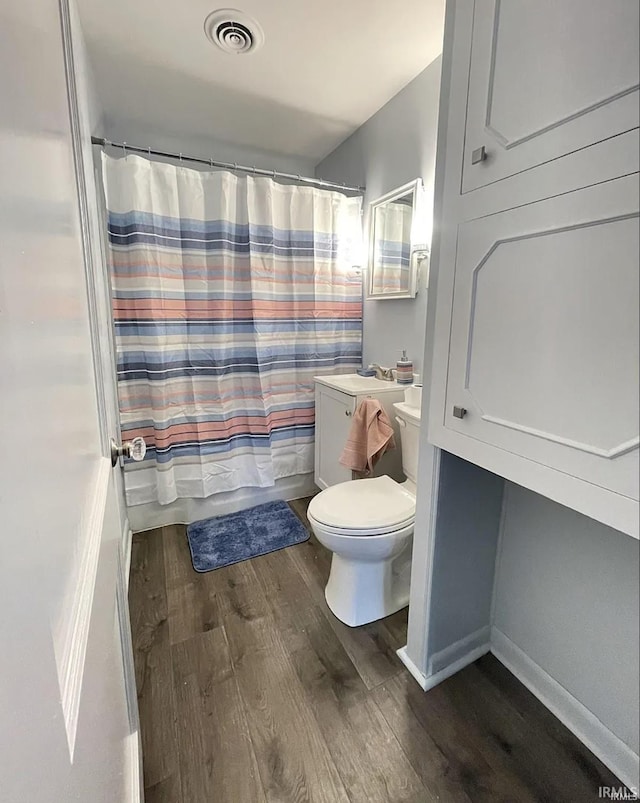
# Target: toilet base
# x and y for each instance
(359, 592)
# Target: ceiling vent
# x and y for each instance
(233, 31)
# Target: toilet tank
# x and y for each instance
(408, 419)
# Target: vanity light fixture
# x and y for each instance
(420, 255)
(421, 237)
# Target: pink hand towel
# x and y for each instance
(370, 436)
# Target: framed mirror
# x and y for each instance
(392, 268)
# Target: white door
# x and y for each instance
(67, 730)
(547, 78)
(334, 411)
(544, 340)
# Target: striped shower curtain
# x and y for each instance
(229, 295)
(392, 247)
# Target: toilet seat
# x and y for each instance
(364, 507)
(372, 533)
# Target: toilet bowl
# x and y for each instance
(368, 525)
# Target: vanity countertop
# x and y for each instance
(354, 384)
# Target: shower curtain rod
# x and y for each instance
(257, 171)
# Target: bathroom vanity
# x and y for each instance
(337, 398)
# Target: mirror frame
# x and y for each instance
(415, 187)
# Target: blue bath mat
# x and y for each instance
(229, 539)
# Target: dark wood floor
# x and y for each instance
(251, 690)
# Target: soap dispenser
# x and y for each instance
(404, 370)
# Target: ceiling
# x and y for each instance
(325, 67)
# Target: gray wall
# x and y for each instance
(143, 135)
(393, 147)
(567, 595)
(464, 559)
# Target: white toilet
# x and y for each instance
(368, 525)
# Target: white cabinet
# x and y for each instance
(544, 345)
(337, 398)
(547, 78)
(535, 360)
(334, 411)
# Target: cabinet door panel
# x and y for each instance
(334, 412)
(548, 78)
(544, 349)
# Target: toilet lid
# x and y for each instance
(364, 504)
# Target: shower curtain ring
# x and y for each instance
(124, 149)
(254, 169)
(211, 163)
(235, 166)
(180, 157)
(274, 175)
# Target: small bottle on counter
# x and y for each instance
(404, 370)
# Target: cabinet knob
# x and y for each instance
(459, 412)
(479, 155)
(347, 412)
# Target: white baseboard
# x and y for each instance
(461, 663)
(611, 750)
(134, 791)
(450, 660)
(151, 515)
(413, 669)
(459, 651)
